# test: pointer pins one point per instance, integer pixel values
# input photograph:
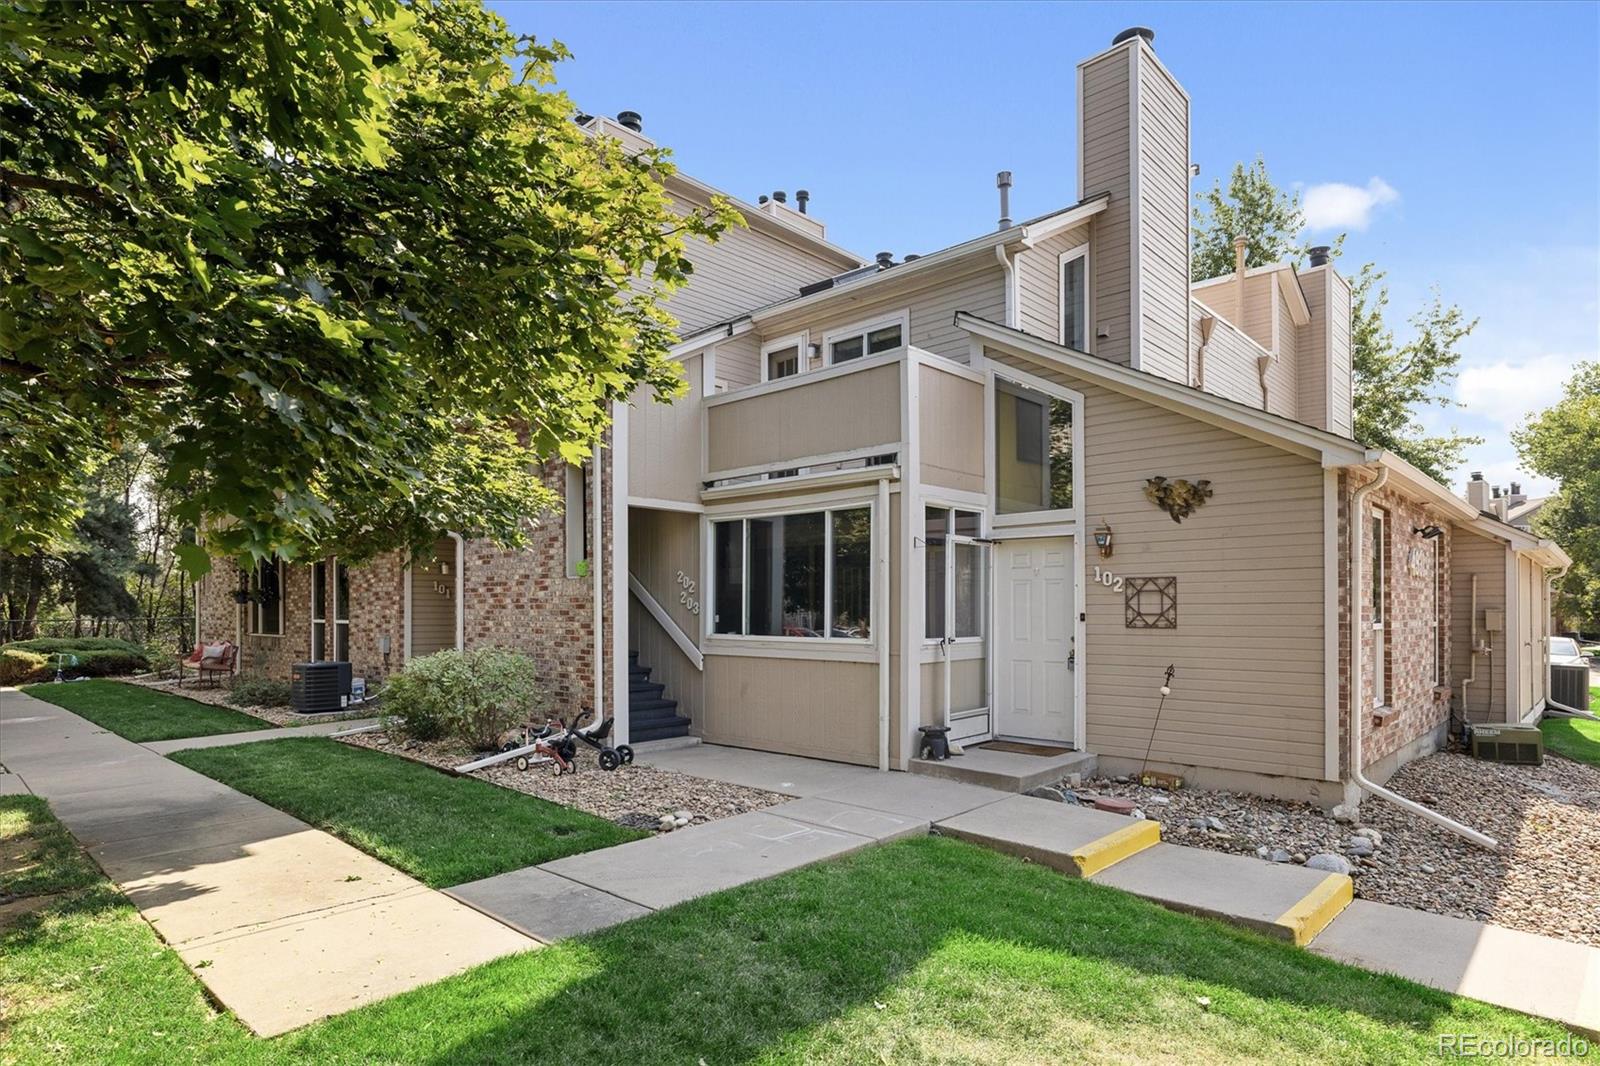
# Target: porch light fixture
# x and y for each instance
(1102, 540)
(1427, 532)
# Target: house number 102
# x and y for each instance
(1108, 579)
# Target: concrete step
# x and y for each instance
(638, 709)
(1007, 771)
(1282, 900)
(1078, 841)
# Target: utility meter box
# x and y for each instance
(1494, 619)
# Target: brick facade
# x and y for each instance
(1416, 635)
(518, 599)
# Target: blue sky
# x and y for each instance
(1458, 144)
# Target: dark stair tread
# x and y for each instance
(666, 730)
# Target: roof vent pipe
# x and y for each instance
(781, 196)
(630, 120)
(885, 260)
(1131, 32)
(1319, 255)
(910, 257)
(761, 199)
(1002, 182)
(801, 198)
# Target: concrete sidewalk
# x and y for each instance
(283, 923)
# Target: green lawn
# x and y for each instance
(141, 714)
(928, 950)
(442, 830)
(1576, 738)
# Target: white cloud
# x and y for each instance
(1507, 392)
(1335, 205)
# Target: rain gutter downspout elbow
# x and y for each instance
(1357, 527)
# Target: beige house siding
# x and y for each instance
(1248, 694)
(820, 709)
(968, 688)
(743, 269)
(951, 412)
(1483, 558)
(433, 600)
(1231, 359)
(1163, 186)
(820, 417)
(737, 361)
(1283, 373)
(661, 545)
(1311, 345)
(664, 442)
(976, 286)
(1105, 131)
(667, 662)
(1039, 283)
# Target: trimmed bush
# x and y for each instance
(19, 666)
(97, 656)
(247, 691)
(474, 696)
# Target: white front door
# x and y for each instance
(1033, 638)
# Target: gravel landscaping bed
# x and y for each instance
(1545, 879)
(218, 697)
(636, 796)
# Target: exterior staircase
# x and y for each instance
(651, 716)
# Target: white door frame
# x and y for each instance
(1068, 524)
(461, 607)
(998, 717)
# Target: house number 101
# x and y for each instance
(1108, 579)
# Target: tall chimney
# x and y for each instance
(1478, 491)
(1002, 182)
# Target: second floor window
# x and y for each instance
(1075, 298)
(857, 342)
(781, 358)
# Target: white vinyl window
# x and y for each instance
(784, 357)
(266, 598)
(1074, 269)
(1033, 450)
(803, 576)
(957, 567)
(867, 338)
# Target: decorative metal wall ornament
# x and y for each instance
(1151, 602)
(1178, 498)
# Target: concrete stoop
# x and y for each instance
(1287, 902)
(1007, 771)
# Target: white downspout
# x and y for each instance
(1472, 650)
(1357, 529)
(885, 615)
(1012, 315)
(598, 483)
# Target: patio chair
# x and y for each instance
(214, 660)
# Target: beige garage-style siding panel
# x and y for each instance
(1248, 694)
(1311, 345)
(1283, 373)
(951, 430)
(433, 600)
(1230, 359)
(815, 708)
(976, 286)
(969, 679)
(664, 442)
(821, 417)
(1342, 403)
(1474, 556)
(737, 361)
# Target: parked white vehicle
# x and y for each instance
(1564, 652)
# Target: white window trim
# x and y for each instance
(1067, 519)
(334, 566)
(981, 541)
(1081, 251)
(730, 641)
(575, 528)
(254, 613)
(901, 318)
(801, 342)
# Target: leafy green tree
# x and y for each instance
(1251, 207)
(1563, 442)
(351, 261)
(1392, 380)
